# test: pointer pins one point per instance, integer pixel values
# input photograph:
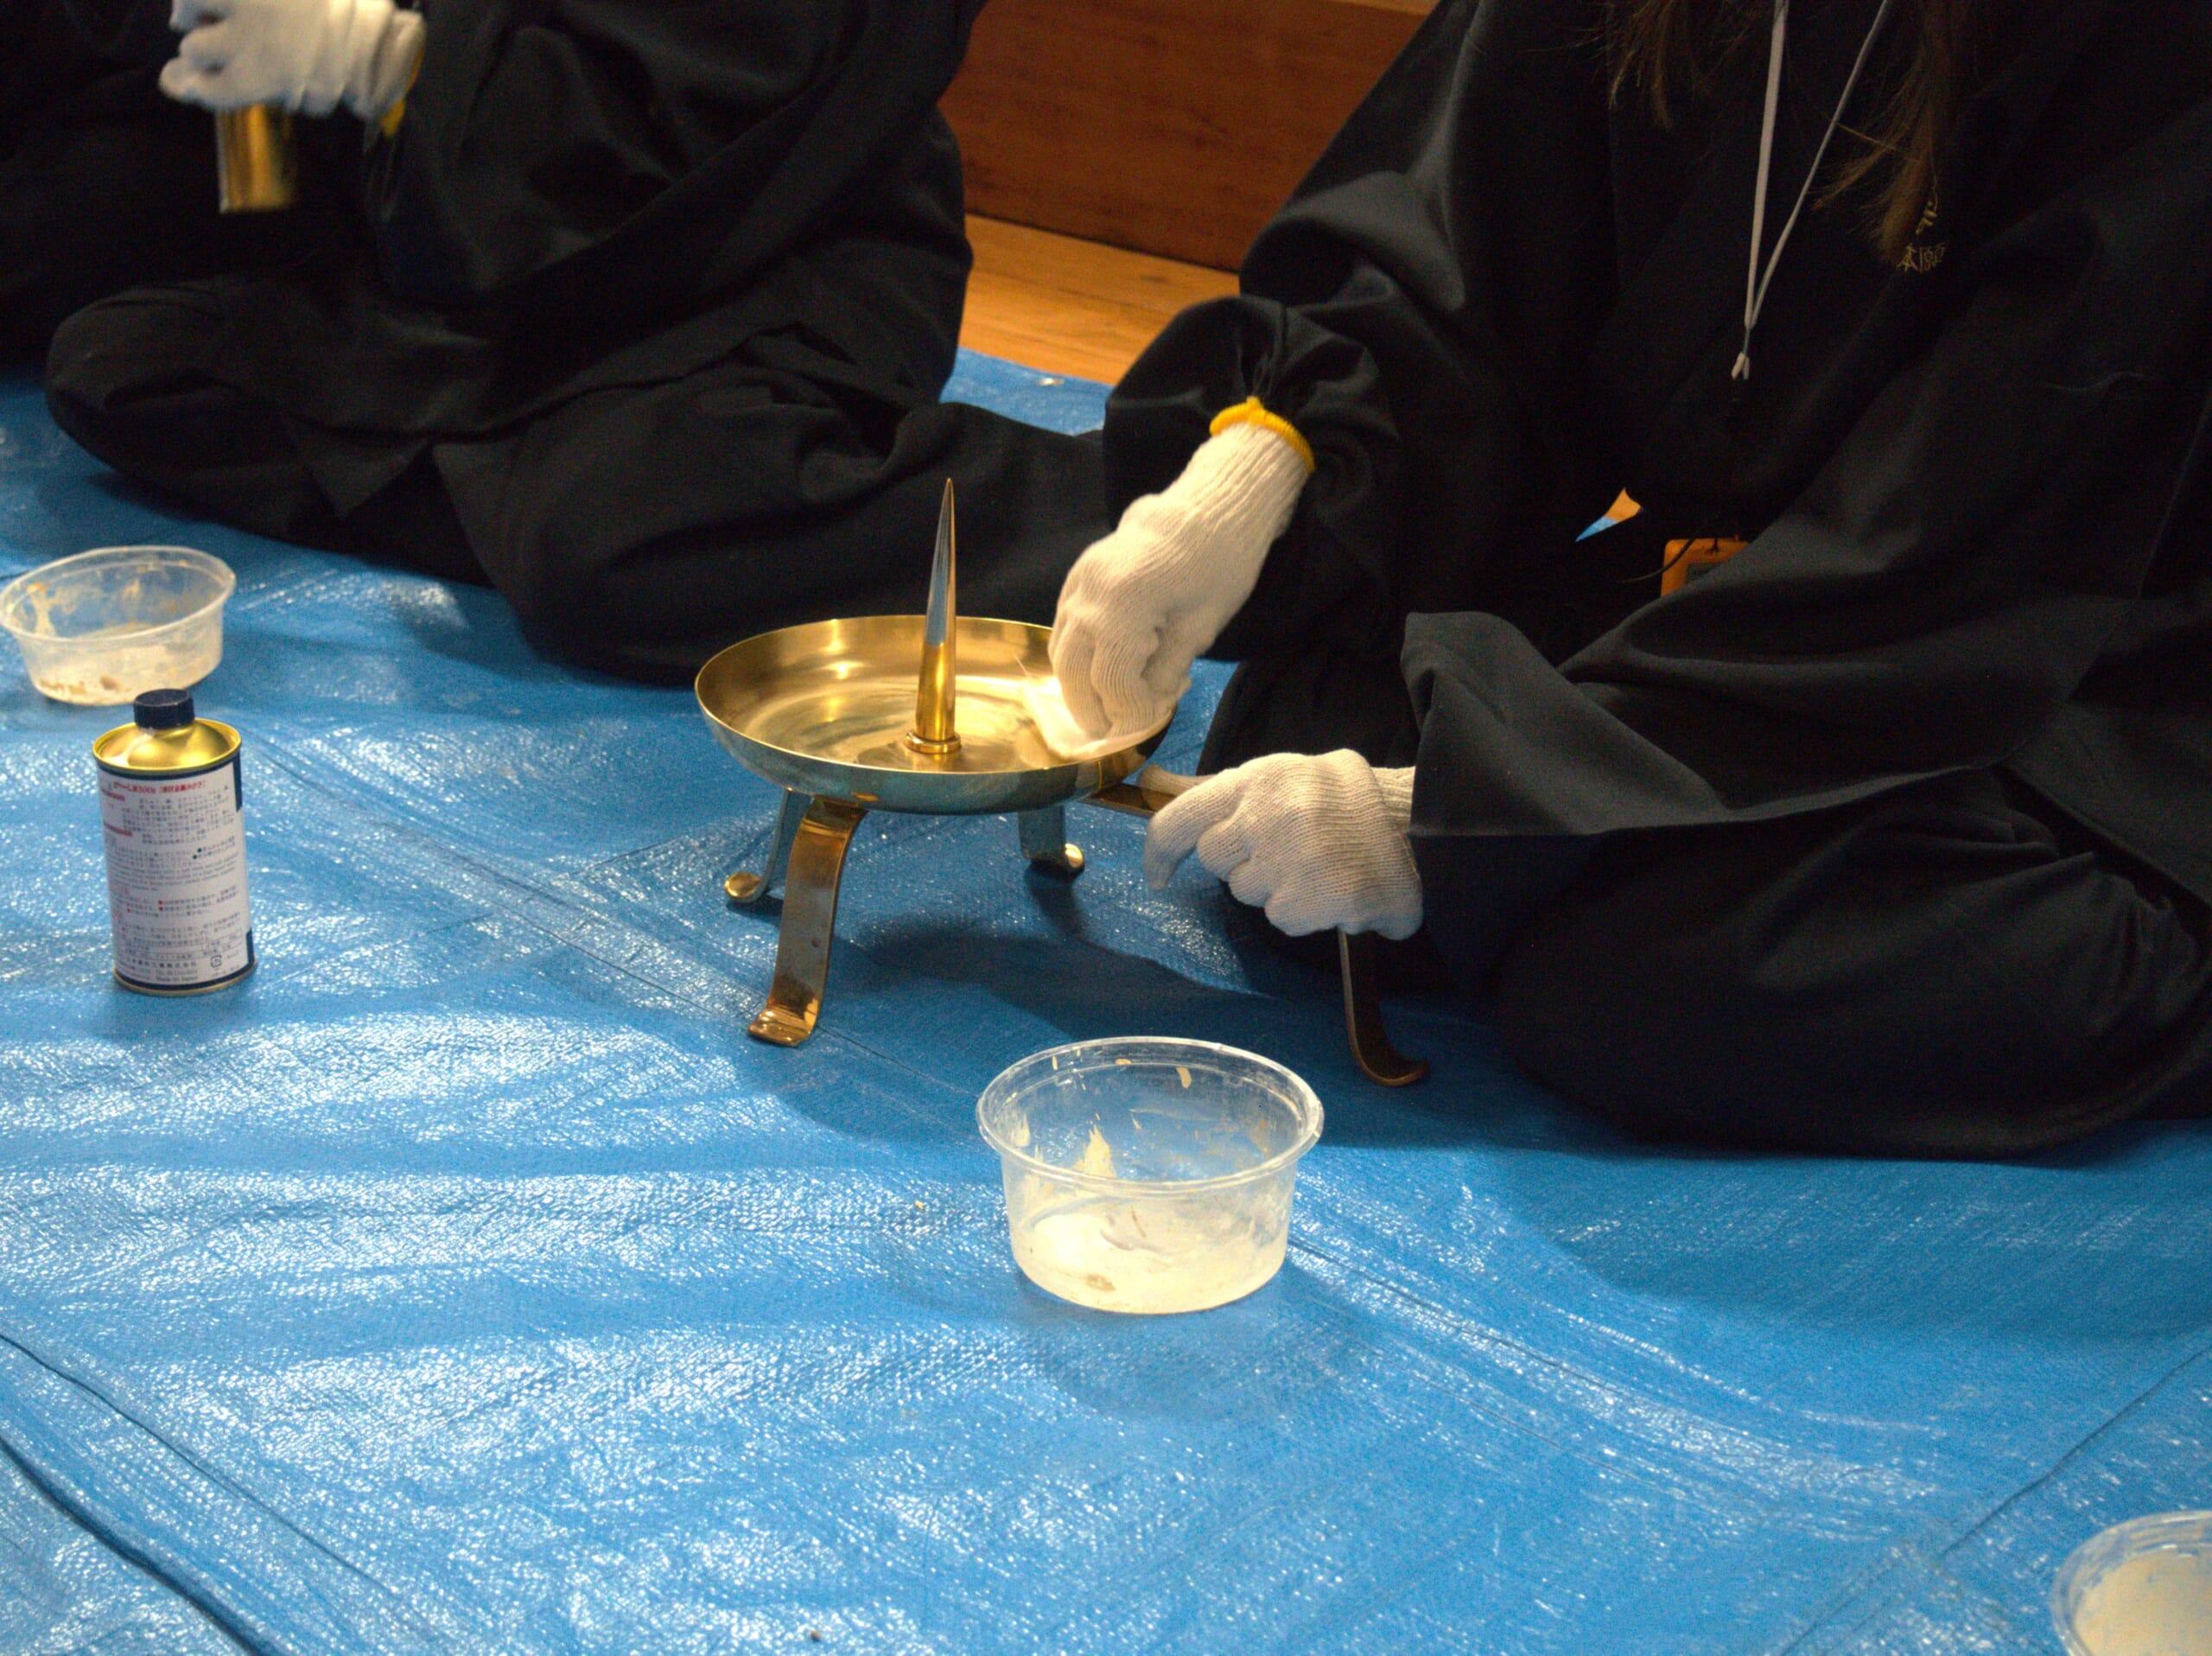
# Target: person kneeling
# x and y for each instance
(1855, 794)
(639, 312)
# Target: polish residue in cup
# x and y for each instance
(2139, 1589)
(2159, 1604)
(1148, 1175)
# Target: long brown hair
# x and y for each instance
(1660, 47)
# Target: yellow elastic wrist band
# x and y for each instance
(389, 124)
(1250, 411)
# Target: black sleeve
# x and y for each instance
(558, 152)
(1929, 603)
(128, 31)
(1421, 311)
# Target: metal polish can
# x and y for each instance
(173, 821)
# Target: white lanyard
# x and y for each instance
(1754, 284)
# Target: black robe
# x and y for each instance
(642, 315)
(1974, 484)
(104, 183)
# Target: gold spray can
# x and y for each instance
(255, 165)
(173, 824)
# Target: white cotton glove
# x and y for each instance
(1317, 843)
(1139, 606)
(308, 56)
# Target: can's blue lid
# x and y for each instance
(162, 709)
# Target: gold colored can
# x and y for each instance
(256, 167)
(173, 824)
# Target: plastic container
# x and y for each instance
(97, 628)
(1148, 1175)
(2140, 1588)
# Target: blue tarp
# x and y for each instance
(467, 1280)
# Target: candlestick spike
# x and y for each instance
(934, 731)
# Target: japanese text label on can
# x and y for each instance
(172, 819)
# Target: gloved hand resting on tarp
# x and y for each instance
(308, 56)
(1318, 842)
(1139, 605)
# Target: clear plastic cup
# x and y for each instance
(2140, 1588)
(1148, 1175)
(97, 628)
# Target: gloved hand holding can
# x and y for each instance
(308, 56)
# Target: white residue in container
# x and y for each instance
(1148, 1255)
(2155, 1604)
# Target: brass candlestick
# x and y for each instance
(835, 713)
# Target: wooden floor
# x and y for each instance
(1072, 307)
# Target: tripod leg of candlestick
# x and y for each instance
(1150, 791)
(817, 862)
(1045, 841)
(747, 888)
(1378, 1061)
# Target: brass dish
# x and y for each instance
(827, 708)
